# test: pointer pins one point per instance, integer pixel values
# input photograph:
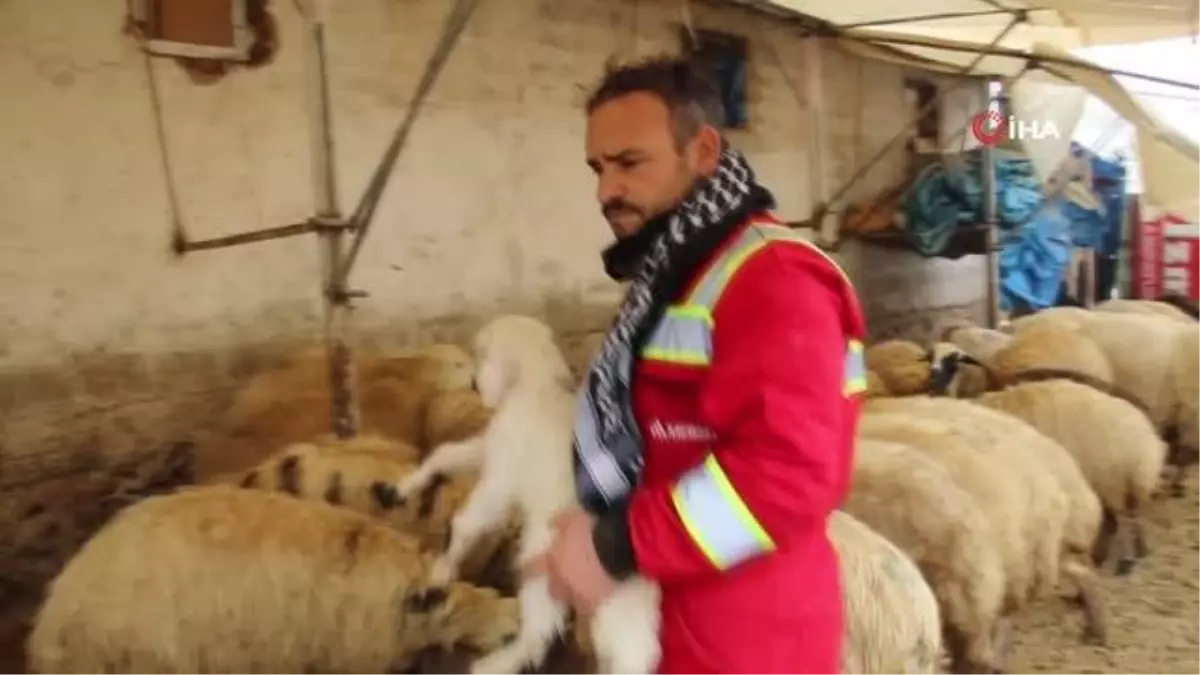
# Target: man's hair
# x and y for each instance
(691, 98)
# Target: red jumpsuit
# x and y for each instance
(767, 420)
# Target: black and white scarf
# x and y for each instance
(608, 443)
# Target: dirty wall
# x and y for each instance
(111, 346)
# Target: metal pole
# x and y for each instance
(990, 222)
(331, 228)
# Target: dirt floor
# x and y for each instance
(1154, 614)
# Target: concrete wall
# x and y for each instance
(110, 345)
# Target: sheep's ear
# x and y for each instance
(493, 378)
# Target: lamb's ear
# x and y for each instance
(493, 378)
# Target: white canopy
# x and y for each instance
(949, 35)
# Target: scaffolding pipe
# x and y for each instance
(994, 50)
(332, 228)
(183, 245)
(990, 221)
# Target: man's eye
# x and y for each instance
(627, 164)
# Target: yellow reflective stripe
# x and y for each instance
(856, 369)
(684, 336)
(716, 518)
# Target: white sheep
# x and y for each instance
(892, 621)
(976, 341)
(1024, 542)
(1151, 307)
(913, 502)
(1054, 484)
(1154, 360)
(1114, 444)
(218, 579)
(524, 461)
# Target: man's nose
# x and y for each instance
(608, 187)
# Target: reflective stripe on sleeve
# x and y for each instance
(716, 518)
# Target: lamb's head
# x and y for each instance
(512, 349)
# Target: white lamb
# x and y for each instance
(523, 377)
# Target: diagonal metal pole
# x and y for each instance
(364, 213)
(824, 207)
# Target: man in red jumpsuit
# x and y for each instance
(716, 427)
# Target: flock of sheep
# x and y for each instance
(991, 467)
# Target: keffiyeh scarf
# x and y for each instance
(608, 443)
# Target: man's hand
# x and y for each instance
(575, 573)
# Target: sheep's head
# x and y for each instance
(515, 348)
(455, 367)
(955, 373)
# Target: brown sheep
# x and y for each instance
(218, 579)
(902, 366)
(358, 474)
(291, 404)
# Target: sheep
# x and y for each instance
(977, 342)
(358, 473)
(1024, 540)
(1049, 345)
(892, 621)
(1151, 307)
(1114, 444)
(913, 502)
(902, 366)
(291, 404)
(1154, 360)
(1053, 481)
(221, 579)
(454, 415)
(524, 379)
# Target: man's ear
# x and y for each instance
(707, 145)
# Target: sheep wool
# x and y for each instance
(222, 580)
(1054, 486)
(358, 474)
(1049, 345)
(1151, 307)
(454, 416)
(901, 365)
(977, 342)
(1113, 443)
(291, 404)
(893, 624)
(996, 489)
(915, 504)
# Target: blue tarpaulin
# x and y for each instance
(1036, 234)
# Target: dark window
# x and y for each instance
(723, 57)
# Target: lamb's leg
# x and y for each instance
(1134, 508)
(1095, 629)
(446, 458)
(542, 617)
(1103, 544)
(485, 510)
(1125, 547)
(625, 629)
(1181, 459)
